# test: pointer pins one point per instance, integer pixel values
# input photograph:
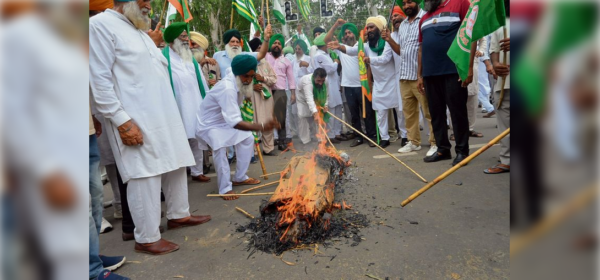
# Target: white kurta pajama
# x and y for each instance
(386, 87)
(189, 98)
(129, 81)
(218, 115)
(334, 96)
(306, 108)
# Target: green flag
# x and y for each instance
(304, 7)
(246, 9)
(483, 18)
(278, 12)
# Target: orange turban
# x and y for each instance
(398, 10)
(101, 5)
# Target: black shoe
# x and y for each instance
(437, 157)
(281, 147)
(271, 153)
(342, 138)
(357, 142)
(459, 158)
(334, 141)
(276, 142)
(404, 142)
(206, 168)
(384, 143)
(371, 143)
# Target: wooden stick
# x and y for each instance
(262, 162)
(549, 222)
(244, 212)
(364, 106)
(240, 194)
(268, 16)
(325, 134)
(369, 139)
(274, 173)
(164, 10)
(503, 78)
(230, 20)
(260, 187)
(454, 168)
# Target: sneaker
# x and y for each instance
(112, 263)
(394, 138)
(107, 275)
(118, 215)
(409, 147)
(432, 150)
(106, 226)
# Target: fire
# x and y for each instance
(302, 197)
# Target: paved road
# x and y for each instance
(458, 229)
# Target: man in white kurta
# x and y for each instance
(220, 124)
(322, 59)
(307, 108)
(130, 86)
(386, 90)
(187, 90)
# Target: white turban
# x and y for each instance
(379, 21)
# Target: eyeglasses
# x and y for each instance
(183, 37)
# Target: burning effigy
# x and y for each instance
(302, 209)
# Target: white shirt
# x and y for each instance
(129, 81)
(386, 86)
(187, 92)
(300, 72)
(322, 60)
(495, 48)
(350, 72)
(219, 114)
(305, 97)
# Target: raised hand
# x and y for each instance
(156, 35)
(334, 45)
(340, 22)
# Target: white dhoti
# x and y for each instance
(244, 151)
(196, 170)
(143, 195)
(305, 125)
(383, 124)
(334, 127)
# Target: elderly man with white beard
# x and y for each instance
(210, 67)
(232, 39)
(130, 86)
(225, 119)
(189, 87)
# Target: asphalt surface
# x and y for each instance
(459, 229)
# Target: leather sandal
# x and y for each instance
(249, 181)
(499, 168)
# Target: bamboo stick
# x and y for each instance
(369, 139)
(244, 212)
(164, 10)
(325, 135)
(260, 187)
(503, 78)
(274, 173)
(580, 200)
(268, 16)
(230, 20)
(454, 168)
(262, 162)
(240, 194)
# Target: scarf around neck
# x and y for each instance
(320, 96)
(167, 55)
(379, 48)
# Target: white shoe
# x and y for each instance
(106, 226)
(409, 147)
(432, 150)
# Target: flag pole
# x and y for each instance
(231, 19)
(268, 17)
(162, 13)
(503, 78)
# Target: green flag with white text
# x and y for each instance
(483, 18)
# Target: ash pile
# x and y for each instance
(302, 211)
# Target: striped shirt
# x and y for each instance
(409, 47)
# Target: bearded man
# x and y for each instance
(351, 82)
(221, 123)
(232, 39)
(189, 87)
(210, 67)
(438, 78)
(386, 91)
(312, 96)
(130, 86)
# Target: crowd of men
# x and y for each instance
(160, 104)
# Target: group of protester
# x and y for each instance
(159, 104)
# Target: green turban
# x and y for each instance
(231, 33)
(287, 50)
(242, 64)
(276, 37)
(173, 31)
(320, 41)
(351, 27)
(302, 45)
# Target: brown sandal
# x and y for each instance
(490, 114)
(249, 181)
(474, 133)
(500, 168)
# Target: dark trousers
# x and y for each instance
(127, 223)
(446, 91)
(354, 100)
(280, 109)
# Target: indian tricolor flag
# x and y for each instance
(183, 8)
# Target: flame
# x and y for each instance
(301, 204)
